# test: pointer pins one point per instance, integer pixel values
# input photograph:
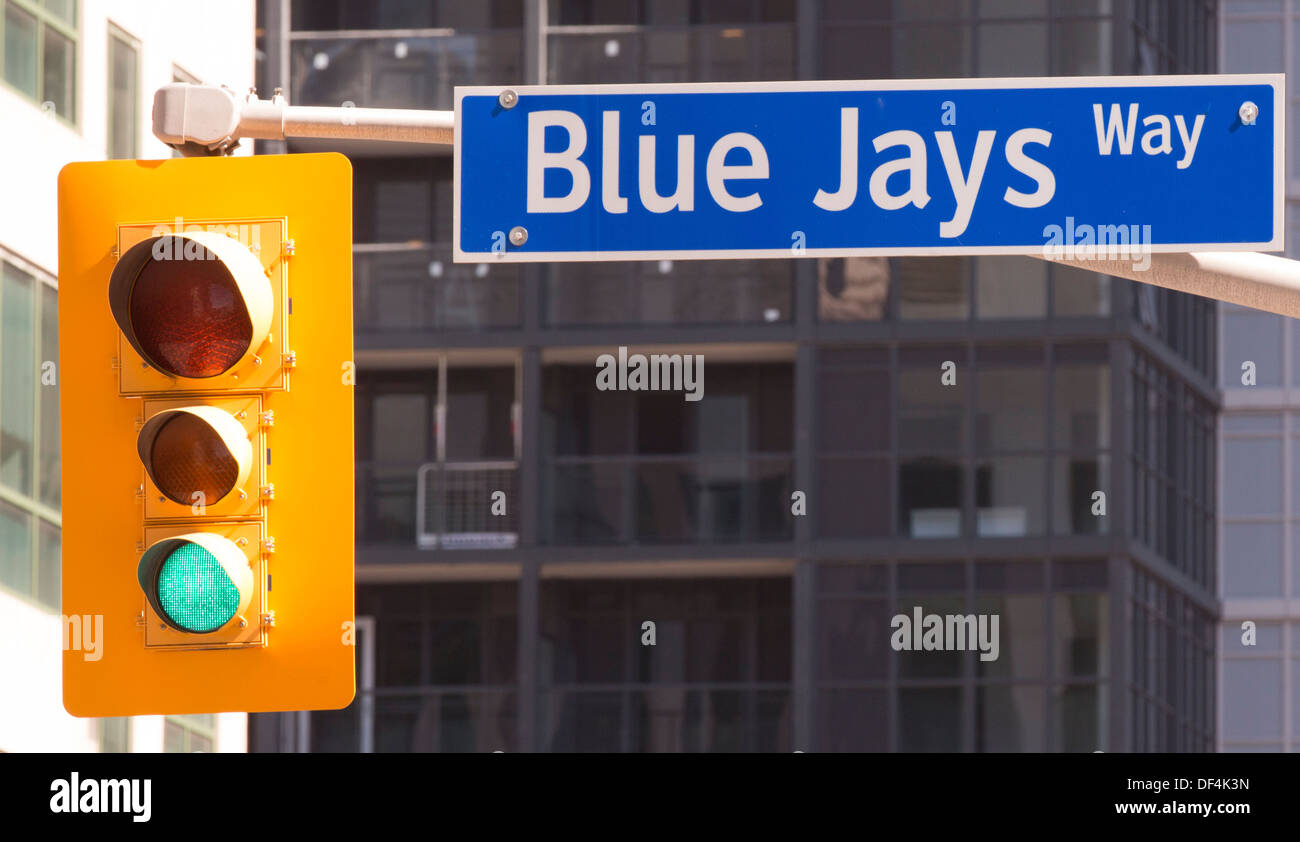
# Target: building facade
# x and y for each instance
(964, 435)
(1259, 500)
(77, 84)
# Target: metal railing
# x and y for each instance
(401, 72)
(668, 499)
(467, 505)
(419, 288)
(714, 53)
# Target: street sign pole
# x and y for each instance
(210, 120)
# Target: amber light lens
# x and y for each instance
(189, 456)
(189, 317)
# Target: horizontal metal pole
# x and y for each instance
(1260, 281)
(207, 119)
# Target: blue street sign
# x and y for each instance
(792, 169)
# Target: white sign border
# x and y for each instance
(1276, 80)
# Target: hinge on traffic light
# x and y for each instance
(267, 619)
(268, 545)
(268, 491)
(114, 252)
(289, 360)
(287, 247)
(267, 419)
(139, 620)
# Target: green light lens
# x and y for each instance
(195, 591)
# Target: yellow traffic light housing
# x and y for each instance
(224, 577)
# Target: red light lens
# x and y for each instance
(188, 315)
(189, 456)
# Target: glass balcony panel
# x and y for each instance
(420, 289)
(741, 53)
(417, 72)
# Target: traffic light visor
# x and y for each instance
(196, 583)
(195, 455)
(192, 305)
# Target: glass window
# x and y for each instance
(932, 287)
(20, 51)
(1012, 49)
(1010, 412)
(115, 735)
(49, 559)
(1075, 481)
(1079, 717)
(15, 548)
(1022, 636)
(932, 51)
(1081, 47)
(1009, 496)
(189, 734)
(1076, 292)
(929, 719)
(852, 639)
(852, 720)
(18, 371)
(853, 409)
(1010, 718)
(1249, 335)
(48, 475)
(1252, 698)
(58, 72)
(1080, 627)
(1252, 476)
(1010, 287)
(1252, 559)
(479, 419)
(1253, 46)
(39, 49)
(852, 289)
(1081, 407)
(930, 412)
(123, 95)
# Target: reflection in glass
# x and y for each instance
(932, 287)
(852, 289)
(1009, 496)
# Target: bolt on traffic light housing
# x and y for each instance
(193, 304)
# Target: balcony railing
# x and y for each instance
(467, 505)
(407, 72)
(614, 54)
(670, 292)
(583, 500)
(418, 288)
(668, 499)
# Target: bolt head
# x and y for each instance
(508, 98)
(518, 235)
(1248, 112)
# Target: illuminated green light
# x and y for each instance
(194, 590)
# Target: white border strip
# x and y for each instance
(1277, 80)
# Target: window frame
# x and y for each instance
(70, 30)
(116, 32)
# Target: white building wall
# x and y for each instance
(215, 42)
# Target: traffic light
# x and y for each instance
(205, 309)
